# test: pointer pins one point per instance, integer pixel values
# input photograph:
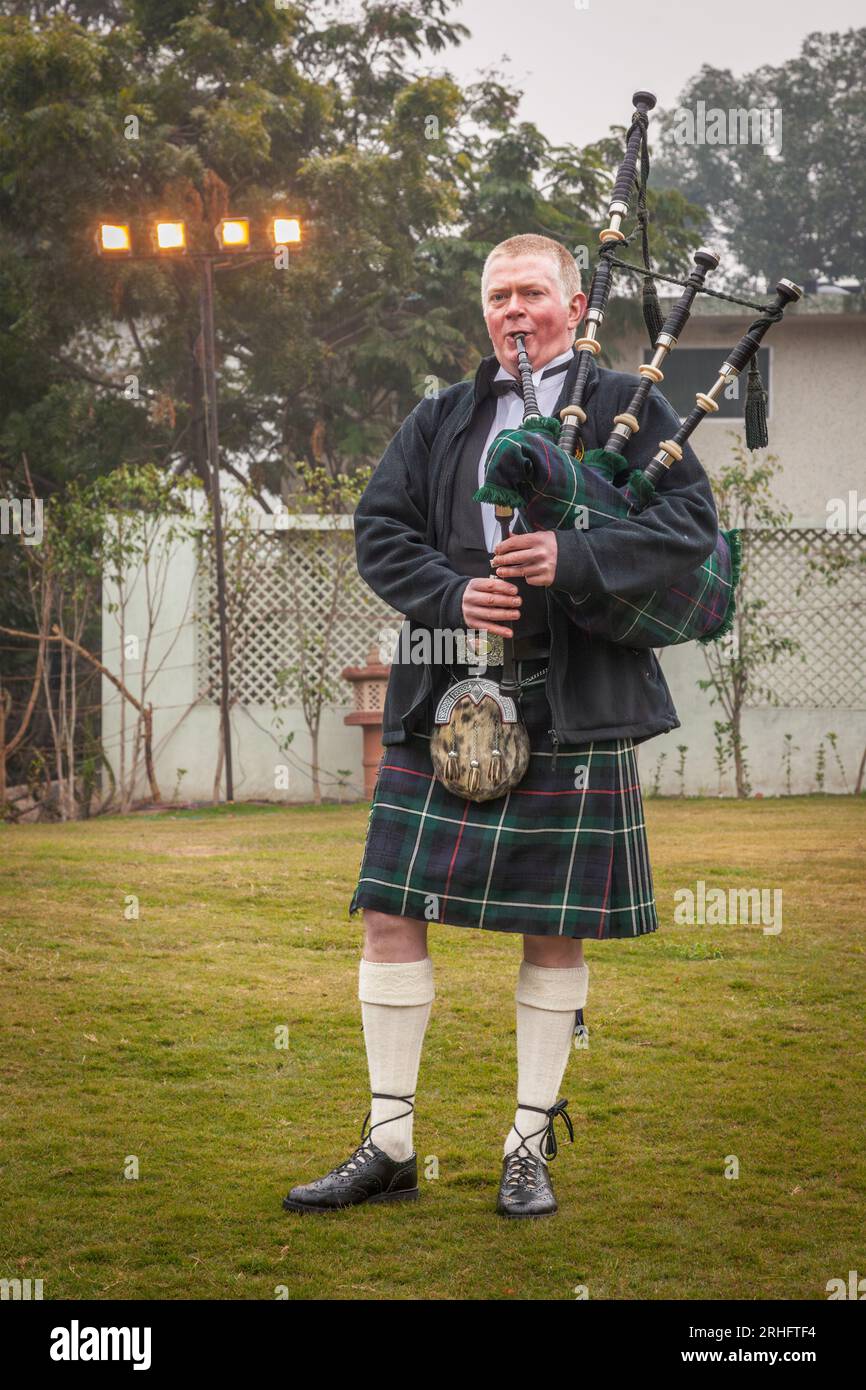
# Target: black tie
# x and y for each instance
(503, 386)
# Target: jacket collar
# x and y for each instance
(489, 366)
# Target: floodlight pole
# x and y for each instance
(206, 306)
(212, 434)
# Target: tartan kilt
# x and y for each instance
(564, 853)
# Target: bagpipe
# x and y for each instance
(543, 472)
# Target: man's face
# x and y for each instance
(523, 295)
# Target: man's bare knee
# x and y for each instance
(556, 952)
(390, 938)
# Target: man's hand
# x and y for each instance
(531, 556)
(487, 603)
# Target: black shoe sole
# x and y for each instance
(525, 1215)
(410, 1195)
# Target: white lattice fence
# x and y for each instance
(292, 592)
(288, 595)
(828, 619)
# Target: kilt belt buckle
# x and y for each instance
(489, 648)
(479, 746)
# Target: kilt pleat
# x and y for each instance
(564, 853)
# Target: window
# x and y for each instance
(689, 370)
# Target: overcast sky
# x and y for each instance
(579, 61)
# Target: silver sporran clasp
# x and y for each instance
(476, 687)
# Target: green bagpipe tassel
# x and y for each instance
(543, 424)
(607, 465)
(756, 413)
(501, 496)
(641, 487)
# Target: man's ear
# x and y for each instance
(579, 301)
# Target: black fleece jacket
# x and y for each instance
(596, 689)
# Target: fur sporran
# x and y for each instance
(479, 746)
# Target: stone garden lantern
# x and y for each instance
(370, 683)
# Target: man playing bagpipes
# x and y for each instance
(557, 852)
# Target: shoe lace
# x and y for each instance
(522, 1168)
(364, 1152)
(353, 1163)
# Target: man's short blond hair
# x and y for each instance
(530, 244)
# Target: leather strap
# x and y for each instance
(549, 1148)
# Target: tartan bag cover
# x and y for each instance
(525, 469)
(563, 853)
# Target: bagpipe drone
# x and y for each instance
(534, 471)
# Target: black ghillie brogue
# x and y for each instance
(525, 1188)
(368, 1175)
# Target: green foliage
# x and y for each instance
(721, 734)
(682, 749)
(833, 740)
(798, 211)
(404, 181)
(655, 784)
(789, 748)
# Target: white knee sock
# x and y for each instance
(396, 999)
(547, 998)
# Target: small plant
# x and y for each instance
(737, 663)
(682, 749)
(722, 733)
(820, 766)
(741, 762)
(657, 776)
(832, 739)
(181, 773)
(789, 748)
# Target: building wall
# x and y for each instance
(818, 366)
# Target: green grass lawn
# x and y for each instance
(155, 1038)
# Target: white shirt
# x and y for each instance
(509, 416)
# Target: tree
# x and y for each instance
(799, 210)
(404, 182)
